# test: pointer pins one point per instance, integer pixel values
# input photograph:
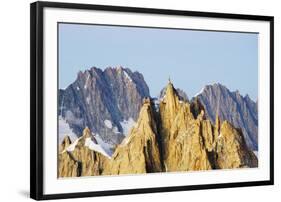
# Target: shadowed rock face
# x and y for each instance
(176, 137)
(240, 111)
(101, 100)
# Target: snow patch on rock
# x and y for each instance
(200, 92)
(127, 76)
(108, 123)
(127, 125)
(106, 146)
(95, 147)
(115, 130)
(86, 82)
(71, 119)
(256, 153)
(64, 129)
(71, 147)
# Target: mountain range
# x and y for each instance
(240, 111)
(174, 135)
(108, 102)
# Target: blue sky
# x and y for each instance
(191, 58)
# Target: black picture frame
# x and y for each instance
(37, 99)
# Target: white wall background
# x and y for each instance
(14, 101)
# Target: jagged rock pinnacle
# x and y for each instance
(139, 152)
(171, 139)
(65, 143)
(171, 99)
(86, 132)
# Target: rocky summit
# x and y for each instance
(176, 136)
(106, 101)
(240, 111)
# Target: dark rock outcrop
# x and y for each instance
(240, 111)
(102, 100)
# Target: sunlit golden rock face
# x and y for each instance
(139, 152)
(175, 137)
(80, 160)
(182, 135)
(231, 149)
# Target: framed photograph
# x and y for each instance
(129, 100)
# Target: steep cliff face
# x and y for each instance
(240, 111)
(182, 140)
(191, 142)
(108, 102)
(231, 149)
(177, 136)
(139, 152)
